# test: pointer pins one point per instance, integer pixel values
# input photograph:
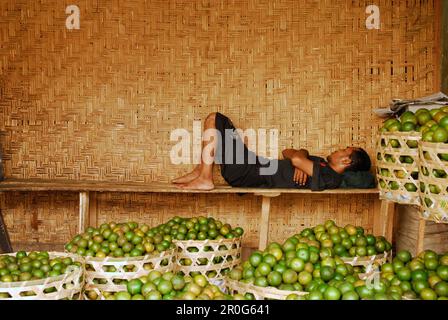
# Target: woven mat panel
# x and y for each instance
(36, 219)
(291, 214)
(100, 102)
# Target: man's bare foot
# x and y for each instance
(198, 184)
(188, 177)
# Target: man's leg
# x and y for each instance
(208, 122)
(202, 175)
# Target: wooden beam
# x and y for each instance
(443, 25)
(421, 236)
(5, 243)
(390, 219)
(152, 187)
(93, 210)
(383, 222)
(264, 223)
(83, 211)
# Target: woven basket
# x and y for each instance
(260, 293)
(212, 259)
(67, 286)
(433, 190)
(163, 262)
(395, 172)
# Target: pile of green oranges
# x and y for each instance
(32, 266)
(302, 268)
(346, 242)
(119, 240)
(432, 124)
(169, 286)
(198, 228)
(133, 240)
(423, 277)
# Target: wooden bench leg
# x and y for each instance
(5, 243)
(421, 236)
(83, 211)
(93, 211)
(383, 223)
(264, 223)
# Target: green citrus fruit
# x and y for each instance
(274, 278)
(289, 276)
(440, 135)
(428, 294)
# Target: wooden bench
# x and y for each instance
(382, 225)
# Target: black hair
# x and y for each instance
(360, 161)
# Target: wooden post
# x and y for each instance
(5, 243)
(421, 235)
(264, 223)
(83, 211)
(383, 222)
(93, 209)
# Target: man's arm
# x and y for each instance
(300, 160)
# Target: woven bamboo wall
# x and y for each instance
(99, 103)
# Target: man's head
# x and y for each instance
(349, 159)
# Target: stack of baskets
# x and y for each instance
(398, 167)
(411, 171)
(434, 181)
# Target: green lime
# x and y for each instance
(123, 295)
(154, 295)
(164, 286)
(305, 278)
(261, 282)
(419, 275)
(350, 295)
(270, 260)
(134, 286)
(332, 293)
(428, 294)
(440, 135)
(289, 276)
(327, 273)
(419, 285)
(441, 289)
(255, 259)
(264, 269)
(315, 295)
(303, 254)
(274, 278)
(408, 127)
(404, 274)
(442, 272)
(297, 264)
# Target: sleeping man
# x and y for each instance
(241, 168)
